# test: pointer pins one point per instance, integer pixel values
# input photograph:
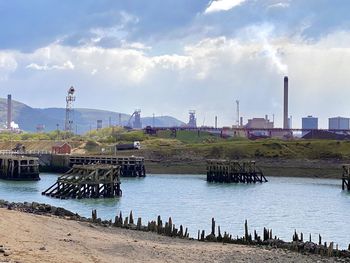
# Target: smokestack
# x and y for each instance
(285, 104)
(216, 122)
(9, 111)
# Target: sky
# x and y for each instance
(170, 56)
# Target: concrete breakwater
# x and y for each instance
(168, 228)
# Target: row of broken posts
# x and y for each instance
(169, 229)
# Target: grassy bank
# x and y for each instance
(187, 151)
(292, 168)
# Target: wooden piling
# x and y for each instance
(129, 166)
(87, 181)
(180, 234)
(19, 168)
(319, 240)
(213, 226)
(225, 171)
(126, 225)
(246, 231)
(203, 235)
(139, 224)
(94, 215)
(346, 177)
(131, 218)
(330, 250)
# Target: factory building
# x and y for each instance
(338, 123)
(309, 122)
(259, 123)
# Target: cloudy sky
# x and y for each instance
(169, 56)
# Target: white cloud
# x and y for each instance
(207, 75)
(66, 65)
(134, 45)
(280, 5)
(8, 64)
(222, 5)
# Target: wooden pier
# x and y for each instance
(87, 181)
(225, 171)
(129, 166)
(20, 168)
(346, 177)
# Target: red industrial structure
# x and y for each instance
(61, 148)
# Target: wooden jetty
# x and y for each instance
(87, 181)
(346, 177)
(226, 171)
(129, 166)
(21, 168)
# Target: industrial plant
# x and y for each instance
(254, 128)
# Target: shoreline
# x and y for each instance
(33, 231)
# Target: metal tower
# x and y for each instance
(192, 122)
(69, 110)
(137, 121)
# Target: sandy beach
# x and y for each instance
(34, 238)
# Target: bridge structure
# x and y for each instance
(19, 168)
(130, 166)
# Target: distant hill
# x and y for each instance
(28, 118)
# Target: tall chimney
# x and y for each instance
(285, 104)
(9, 111)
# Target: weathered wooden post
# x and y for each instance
(213, 226)
(203, 235)
(131, 219)
(159, 225)
(319, 240)
(246, 231)
(170, 226)
(330, 250)
(139, 224)
(181, 231)
(94, 215)
(219, 234)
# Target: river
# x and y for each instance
(283, 204)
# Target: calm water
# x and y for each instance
(283, 204)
